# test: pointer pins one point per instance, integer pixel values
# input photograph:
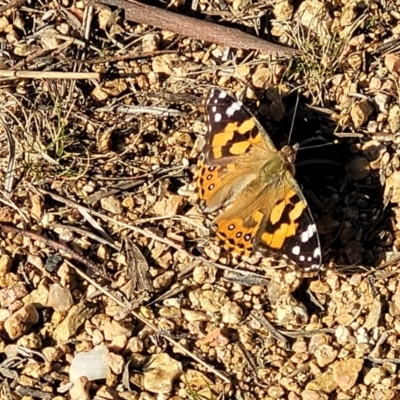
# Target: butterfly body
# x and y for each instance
(240, 173)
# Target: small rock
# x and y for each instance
(207, 300)
(261, 77)
(4, 24)
(374, 314)
(116, 363)
(193, 315)
(31, 341)
(60, 299)
(343, 335)
(21, 321)
(313, 395)
(323, 382)
(215, 338)
(150, 42)
(392, 185)
(5, 265)
(394, 119)
(168, 205)
(349, 14)
(52, 353)
(50, 40)
(290, 312)
(75, 318)
(36, 369)
(314, 16)
(231, 313)
(283, 10)
(36, 206)
(160, 372)
(345, 372)
(114, 328)
(196, 380)
(382, 101)
(112, 205)
(165, 64)
(325, 355)
(92, 364)
(164, 280)
(10, 295)
(39, 296)
(360, 112)
(374, 376)
(80, 389)
(358, 168)
(392, 63)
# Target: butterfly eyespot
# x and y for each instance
(247, 237)
(211, 187)
(209, 177)
(211, 169)
(239, 235)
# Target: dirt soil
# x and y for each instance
(103, 245)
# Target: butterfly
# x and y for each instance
(241, 174)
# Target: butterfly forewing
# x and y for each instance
(232, 131)
(240, 172)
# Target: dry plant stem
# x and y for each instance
(197, 29)
(152, 326)
(58, 246)
(49, 75)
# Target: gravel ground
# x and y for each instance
(106, 260)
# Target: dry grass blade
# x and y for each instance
(8, 182)
(138, 268)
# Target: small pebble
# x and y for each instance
(93, 365)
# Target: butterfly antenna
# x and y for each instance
(315, 146)
(294, 117)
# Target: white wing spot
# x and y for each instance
(309, 258)
(217, 117)
(296, 250)
(213, 109)
(304, 236)
(232, 109)
(302, 258)
(222, 95)
(317, 253)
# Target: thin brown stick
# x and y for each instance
(58, 246)
(197, 29)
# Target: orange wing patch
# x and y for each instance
(283, 219)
